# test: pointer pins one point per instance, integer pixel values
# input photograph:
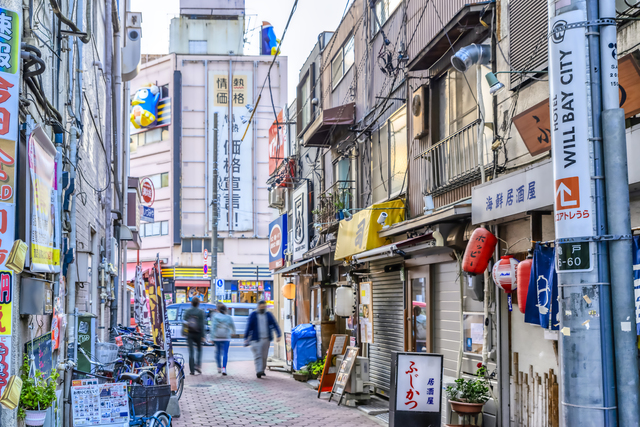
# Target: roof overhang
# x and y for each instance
(329, 120)
(432, 241)
(292, 267)
(452, 213)
(465, 22)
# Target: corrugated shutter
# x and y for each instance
(446, 314)
(528, 29)
(387, 290)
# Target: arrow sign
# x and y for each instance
(561, 191)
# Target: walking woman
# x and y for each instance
(221, 331)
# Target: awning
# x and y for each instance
(360, 233)
(329, 120)
(131, 268)
(323, 249)
(464, 22)
(452, 213)
(432, 240)
(293, 267)
(192, 283)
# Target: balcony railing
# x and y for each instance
(453, 161)
(332, 203)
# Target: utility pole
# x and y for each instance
(619, 223)
(584, 291)
(214, 211)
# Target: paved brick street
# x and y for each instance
(240, 399)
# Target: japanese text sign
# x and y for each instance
(276, 143)
(300, 221)
(416, 389)
(522, 191)
(277, 242)
(569, 114)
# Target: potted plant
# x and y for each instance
(302, 375)
(315, 368)
(468, 396)
(38, 394)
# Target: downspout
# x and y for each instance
(117, 135)
(108, 141)
(71, 286)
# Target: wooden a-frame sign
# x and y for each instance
(337, 346)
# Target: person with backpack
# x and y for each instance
(194, 328)
(221, 331)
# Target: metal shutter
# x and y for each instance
(387, 290)
(528, 29)
(446, 314)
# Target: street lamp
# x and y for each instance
(495, 86)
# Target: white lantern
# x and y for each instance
(504, 273)
(345, 301)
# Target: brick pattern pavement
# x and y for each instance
(240, 399)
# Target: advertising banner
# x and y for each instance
(277, 242)
(45, 249)
(542, 296)
(154, 292)
(276, 143)
(141, 303)
(300, 221)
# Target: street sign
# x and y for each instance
(220, 287)
(147, 214)
(147, 191)
(205, 254)
(573, 256)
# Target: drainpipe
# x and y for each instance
(117, 135)
(71, 285)
(108, 141)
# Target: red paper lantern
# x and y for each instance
(523, 274)
(479, 251)
(504, 273)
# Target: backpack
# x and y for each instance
(192, 326)
(222, 330)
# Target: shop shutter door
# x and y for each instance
(388, 326)
(446, 314)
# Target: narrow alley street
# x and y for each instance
(240, 399)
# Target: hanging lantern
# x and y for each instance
(479, 251)
(523, 274)
(504, 273)
(289, 290)
(345, 301)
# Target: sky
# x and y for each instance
(309, 20)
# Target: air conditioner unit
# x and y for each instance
(419, 111)
(276, 198)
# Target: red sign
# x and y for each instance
(148, 192)
(205, 255)
(276, 144)
(568, 193)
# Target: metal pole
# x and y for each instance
(586, 349)
(619, 222)
(214, 209)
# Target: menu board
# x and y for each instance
(287, 348)
(100, 404)
(337, 346)
(41, 349)
(344, 372)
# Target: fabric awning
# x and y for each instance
(192, 283)
(329, 120)
(293, 267)
(131, 269)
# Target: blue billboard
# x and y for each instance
(277, 242)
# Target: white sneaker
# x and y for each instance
(219, 370)
(224, 371)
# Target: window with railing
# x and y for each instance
(334, 204)
(389, 157)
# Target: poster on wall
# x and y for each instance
(300, 221)
(277, 142)
(140, 304)
(365, 312)
(235, 158)
(45, 247)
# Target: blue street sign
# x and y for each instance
(148, 214)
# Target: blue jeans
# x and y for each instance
(222, 351)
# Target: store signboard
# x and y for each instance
(277, 142)
(277, 242)
(300, 221)
(526, 190)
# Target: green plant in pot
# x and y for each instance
(468, 396)
(315, 368)
(38, 394)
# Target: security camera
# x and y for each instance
(382, 218)
(314, 101)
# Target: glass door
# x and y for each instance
(419, 310)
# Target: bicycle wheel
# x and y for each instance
(119, 368)
(147, 378)
(150, 359)
(179, 378)
(159, 419)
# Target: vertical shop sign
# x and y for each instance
(235, 176)
(45, 250)
(10, 32)
(155, 308)
(276, 143)
(300, 221)
(140, 314)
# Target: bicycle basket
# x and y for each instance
(106, 353)
(147, 400)
(80, 375)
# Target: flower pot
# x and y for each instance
(300, 377)
(466, 408)
(35, 418)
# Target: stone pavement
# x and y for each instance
(240, 399)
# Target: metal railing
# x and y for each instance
(332, 203)
(453, 161)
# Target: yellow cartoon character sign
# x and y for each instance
(144, 111)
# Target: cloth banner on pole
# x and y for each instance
(636, 279)
(154, 292)
(542, 297)
(141, 306)
(168, 347)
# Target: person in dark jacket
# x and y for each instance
(259, 334)
(194, 319)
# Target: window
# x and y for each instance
(343, 60)
(198, 47)
(172, 314)
(243, 312)
(199, 245)
(305, 108)
(382, 11)
(158, 228)
(456, 102)
(389, 157)
(148, 137)
(160, 180)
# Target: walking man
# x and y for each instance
(194, 328)
(259, 335)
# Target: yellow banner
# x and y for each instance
(44, 255)
(360, 233)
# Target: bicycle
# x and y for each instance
(158, 419)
